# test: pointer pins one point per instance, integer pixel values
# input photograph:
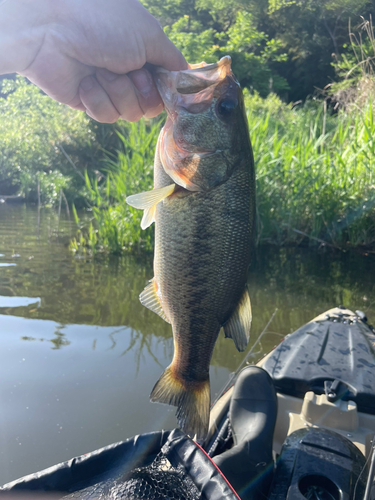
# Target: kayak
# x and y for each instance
(298, 425)
(313, 422)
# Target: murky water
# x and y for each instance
(79, 354)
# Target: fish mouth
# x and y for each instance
(193, 90)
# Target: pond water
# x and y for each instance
(79, 354)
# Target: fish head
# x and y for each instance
(206, 129)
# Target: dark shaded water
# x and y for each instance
(79, 354)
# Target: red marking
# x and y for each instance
(222, 475)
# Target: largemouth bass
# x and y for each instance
(203, 205)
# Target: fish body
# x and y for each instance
(204, 230)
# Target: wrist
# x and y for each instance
(23, 24)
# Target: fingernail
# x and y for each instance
(143, 81)
(107, 75)
(87, 83)
(151, 113)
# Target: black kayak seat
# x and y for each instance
(248, 465)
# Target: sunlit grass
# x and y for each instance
(116, 226)
(315, 175)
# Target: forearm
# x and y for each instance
(23, 25)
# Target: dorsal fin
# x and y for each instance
(238, 325)
(149, 298)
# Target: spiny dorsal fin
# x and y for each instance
(148, 217)
(149, 298)
(148, 199)
(238, 325)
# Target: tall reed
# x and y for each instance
(115, 226)
(315, 175)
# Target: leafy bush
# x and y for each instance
(40, 140)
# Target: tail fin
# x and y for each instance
(191, 398)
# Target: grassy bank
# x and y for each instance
(115, 227)
(315, 179)
(315, 174)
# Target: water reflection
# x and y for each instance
(104, 291)
(58, 341)
(79, 353)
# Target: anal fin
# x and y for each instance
(238, 325)
(149, 298)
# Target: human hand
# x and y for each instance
(88, 54)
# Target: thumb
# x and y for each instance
(160, 51)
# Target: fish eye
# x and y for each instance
(226, 107)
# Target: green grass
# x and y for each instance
(116, 226)
(315, 174)
(315, 179)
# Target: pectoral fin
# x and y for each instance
(148, 217)
(149, 298)
(238, 325)
(148, 199)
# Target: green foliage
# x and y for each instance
(315, 173)
(282, 46)
(116, 226)
(39, 141)
(251, 50)
(195, 43)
